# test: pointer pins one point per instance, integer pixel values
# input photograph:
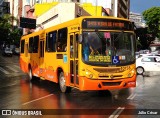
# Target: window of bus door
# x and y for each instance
(71, 46)
(74, 47)
(101, 48)
(41, 48)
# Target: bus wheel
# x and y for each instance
(30, 74)
(62, 84)
(140, 70)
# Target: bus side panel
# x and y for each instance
(50, 74)
(23, 64)
(50, 67)
(34, 57)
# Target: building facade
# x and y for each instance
(4, 7)
(117, 8)
(137, 19)
(57, 15)
(123, 8)
(27, 8)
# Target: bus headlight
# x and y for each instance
(131, 73)
(89, 74)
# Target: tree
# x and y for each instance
(9, 33)
(152, 18)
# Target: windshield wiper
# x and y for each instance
(119, 35)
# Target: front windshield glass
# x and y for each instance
(110, 48)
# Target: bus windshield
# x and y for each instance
(111, 48)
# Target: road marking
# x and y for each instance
(117, 112)
(5, 60)
(131, 96)
(13, 69)
(37, 99)
(16, 66)
(4, 71)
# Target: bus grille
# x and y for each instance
(111, 83)
(109, 76)
(109, 70)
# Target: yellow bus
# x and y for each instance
(87, 53)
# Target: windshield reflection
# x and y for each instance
(105, 47)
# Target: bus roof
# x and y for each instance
(72, 22)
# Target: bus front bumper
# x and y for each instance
(96, 84)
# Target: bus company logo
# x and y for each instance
(111, 76)
(6, 112)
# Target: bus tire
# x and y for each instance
(30, 74)
(62, 84)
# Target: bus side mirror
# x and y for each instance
(80, 38)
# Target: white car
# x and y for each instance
(16, 51)
(7, 52)
(137, 54)
(147, 63)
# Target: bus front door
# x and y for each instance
(74, 81)
(41, 58)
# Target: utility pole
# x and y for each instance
(12, 13)
(96, 8)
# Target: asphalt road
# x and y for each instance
(23, 98)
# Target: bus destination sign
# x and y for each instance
(111, 24)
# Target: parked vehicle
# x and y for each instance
(155, 48)
(137, 54)
(7, 52)
(144, 51)
(16, 51)
(147, 63)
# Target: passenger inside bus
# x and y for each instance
(64, 47)
(93, 47)
(89, 48)
(59, 48)
(71, 48)
(86, 49)
(110, 50)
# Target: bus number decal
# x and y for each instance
(124, 68)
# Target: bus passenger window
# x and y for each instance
(30, 44)
(62, 40)
(35, 44)
(51, 41)
(22, 46)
